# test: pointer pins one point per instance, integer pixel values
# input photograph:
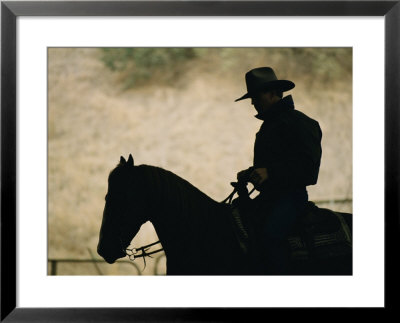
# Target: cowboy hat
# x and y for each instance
(264, 78)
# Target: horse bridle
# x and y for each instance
(132, 253)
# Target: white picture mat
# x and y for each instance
(364, 288)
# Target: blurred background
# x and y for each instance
(174, 108)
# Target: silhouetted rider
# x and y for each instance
(287, 155)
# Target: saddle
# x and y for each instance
(319, 234)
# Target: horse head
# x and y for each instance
(122, 218)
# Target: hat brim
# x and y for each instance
(282, 85)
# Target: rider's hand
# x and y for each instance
(258, 176)
(243, 176)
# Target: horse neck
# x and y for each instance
(176, 206)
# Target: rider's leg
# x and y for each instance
(282, 215)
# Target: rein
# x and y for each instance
(132, 253)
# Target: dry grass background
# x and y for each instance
(191, 126)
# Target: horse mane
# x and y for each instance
(160, 180)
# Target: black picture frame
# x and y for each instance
(10, 10)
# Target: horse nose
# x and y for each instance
(108, 259)
(106, 254)
(100, 251)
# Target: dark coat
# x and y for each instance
(288, 145)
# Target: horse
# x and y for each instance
(195, 231)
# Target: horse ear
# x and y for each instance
(130, 160)
(122, 161)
